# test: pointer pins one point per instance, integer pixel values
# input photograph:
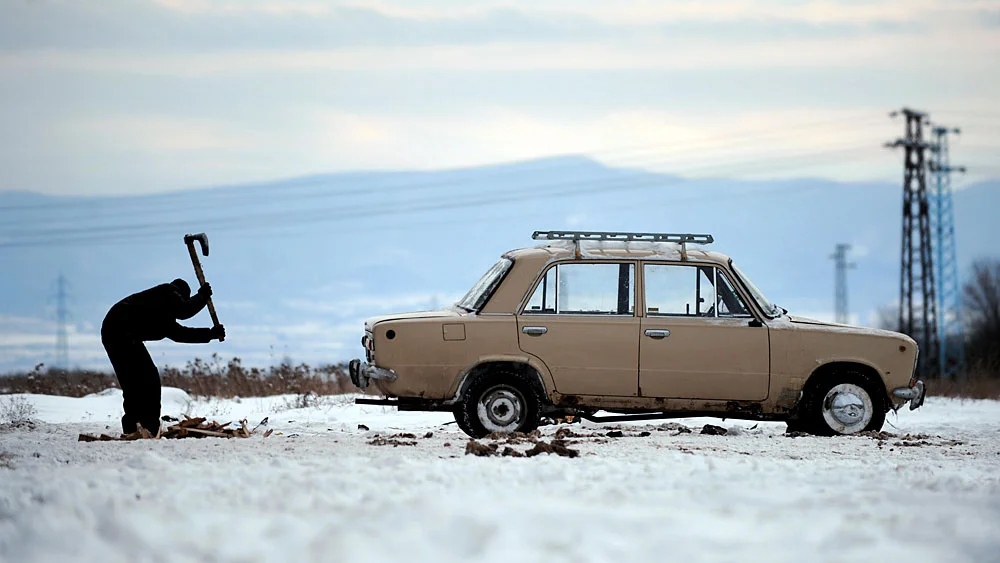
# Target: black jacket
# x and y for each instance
(152, 315)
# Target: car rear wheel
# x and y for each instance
(498, 401)
(846, 404)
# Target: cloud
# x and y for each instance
(161, 133)
(27, 341)
(187, 25)
(346, 307)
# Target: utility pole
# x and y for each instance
(919, 323)
(951, 352)
(840, 299)
(62, 315)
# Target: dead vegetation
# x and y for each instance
(980, 381)
(214, 377)
(396, 440)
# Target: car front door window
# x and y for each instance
(680, 290)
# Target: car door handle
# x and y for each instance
(534, 330)
(657, 334)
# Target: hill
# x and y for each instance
(297, 264)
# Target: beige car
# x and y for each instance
(637, 326)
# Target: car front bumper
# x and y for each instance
(914, 394)
(362, 373)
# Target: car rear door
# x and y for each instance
(581, 322)
(698, 338)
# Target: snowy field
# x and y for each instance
(317, 489)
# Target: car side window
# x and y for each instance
(729, 302)
(690, 290)
(585, 289)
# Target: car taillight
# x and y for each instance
(369, 344)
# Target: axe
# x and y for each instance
(202, 238)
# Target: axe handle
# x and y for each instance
(201, 281)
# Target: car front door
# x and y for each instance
(581, 323)
(698, 338)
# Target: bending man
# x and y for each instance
(150, 315)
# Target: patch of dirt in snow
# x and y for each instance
(557, 445)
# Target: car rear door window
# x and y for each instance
(585, 289)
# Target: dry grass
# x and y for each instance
(212, 378)
(980, 381)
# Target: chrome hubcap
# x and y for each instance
(847, 408)
(500, 409)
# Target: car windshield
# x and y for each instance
(477, 296)
(770, 309)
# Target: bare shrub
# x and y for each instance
(16, 411)
(980, 381)
(214, 377)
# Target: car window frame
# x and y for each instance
(544, 272)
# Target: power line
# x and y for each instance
(623, 181)
(694, 146)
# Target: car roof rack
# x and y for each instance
(611, 235)
(577, 236)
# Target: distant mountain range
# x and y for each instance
(298, 264)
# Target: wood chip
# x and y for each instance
(197, 427)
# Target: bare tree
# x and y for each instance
(982, 308)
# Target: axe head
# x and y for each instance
(201, 238)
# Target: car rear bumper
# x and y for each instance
(914, 394)
(362, 373)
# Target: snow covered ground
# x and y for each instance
(317, 490)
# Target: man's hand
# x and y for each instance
(205, 291)
(218, 332)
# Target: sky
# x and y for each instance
(105, 97)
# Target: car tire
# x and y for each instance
(841, 405)
(501, 401)
(797, 425)
(462, 421)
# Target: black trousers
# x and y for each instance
(138, 377)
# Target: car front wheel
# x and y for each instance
(498, 401)
(843, 405)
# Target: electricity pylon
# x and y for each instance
(916, 278)
(951, 347)
(62, 316)
(840, 299)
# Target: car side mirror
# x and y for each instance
(756, 323)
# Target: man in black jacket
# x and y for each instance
(150, 315)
